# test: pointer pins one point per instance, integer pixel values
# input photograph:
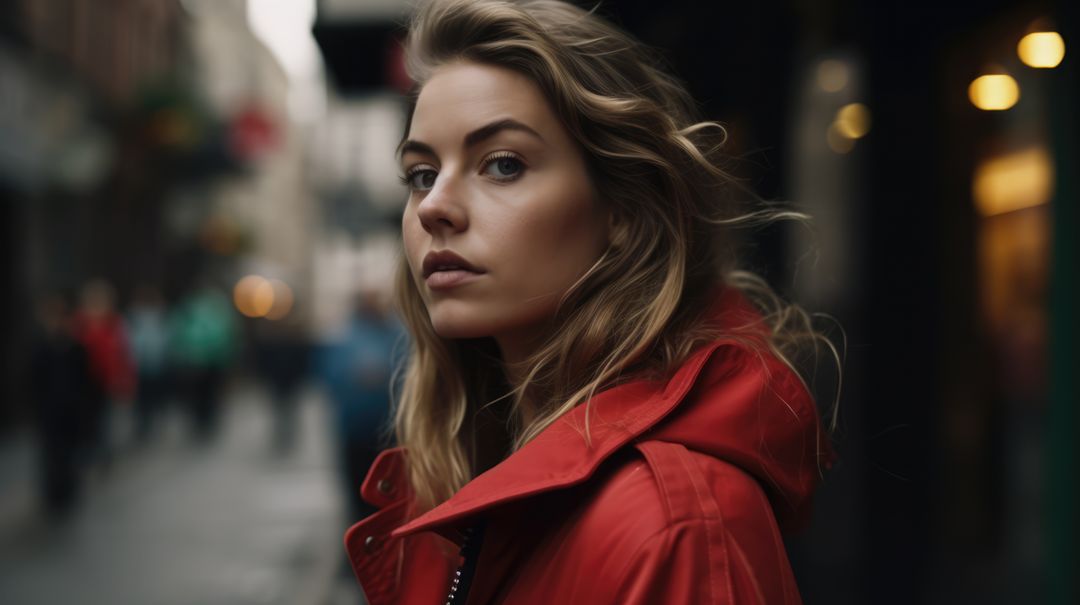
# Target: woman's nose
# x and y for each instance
(442, 209)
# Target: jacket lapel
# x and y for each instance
(560, 457)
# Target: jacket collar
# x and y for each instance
(560, 456)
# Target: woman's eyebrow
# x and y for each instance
(486, 132)
(415, 147)
(473, 138)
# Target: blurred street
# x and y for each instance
(176, 521)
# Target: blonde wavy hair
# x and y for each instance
(638, 311)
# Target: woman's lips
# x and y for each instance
(445, 269)
(445, 280)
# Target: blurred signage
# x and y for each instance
(252, 133)
(362, 56)
(361, 44)
(363, 10)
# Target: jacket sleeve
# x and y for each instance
(715, 550)
(675, 567)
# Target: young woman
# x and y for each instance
(593, 410)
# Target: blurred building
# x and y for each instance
(76, 164)
(353, 168)
(145, 142)
(264, 218)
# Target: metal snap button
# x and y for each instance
(385, 487)
(371, 544)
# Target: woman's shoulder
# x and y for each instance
(750, 414)
(656, 513)
(657, 486)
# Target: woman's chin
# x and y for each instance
(458, 328)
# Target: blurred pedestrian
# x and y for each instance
(148, 329)
(357, 370)
(101, 331)
(62, 389)
(202, 345)
(282, 359)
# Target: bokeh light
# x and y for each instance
(1041, 49)
(994, 92)
(1015, 181)
(253, 296)
(281, 300)
(853, 120)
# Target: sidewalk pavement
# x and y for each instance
(172, 522)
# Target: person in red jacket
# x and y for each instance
(598, 406)
(101, 331)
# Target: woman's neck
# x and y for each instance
(494, 434)
(515, 351)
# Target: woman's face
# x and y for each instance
(501, 218)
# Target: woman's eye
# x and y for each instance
(420, 180)
(504, 168)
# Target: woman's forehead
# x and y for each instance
(461, 97)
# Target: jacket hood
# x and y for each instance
(731, 399)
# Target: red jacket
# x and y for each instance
(680, 499)
(105, 340)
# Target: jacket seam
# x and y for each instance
(659, 533)
(705, 510)
(744, 562)
(708, 532)
(662, 485)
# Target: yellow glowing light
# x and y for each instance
(282, 301)
(837, 141)
(1041, 49)
(262, 298)
(832, 75)
(1015, 181)
(994, 92)
(253, 296)
(853, 120)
